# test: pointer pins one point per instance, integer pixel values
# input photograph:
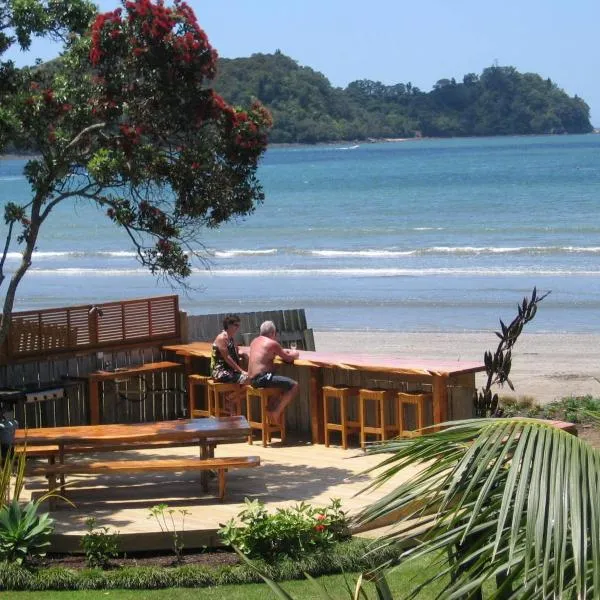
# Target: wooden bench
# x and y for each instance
(220, 465)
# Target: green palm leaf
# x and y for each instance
(512, 501)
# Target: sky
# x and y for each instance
(396, 41)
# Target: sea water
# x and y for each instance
(427, 235)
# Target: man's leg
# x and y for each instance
(291, 391)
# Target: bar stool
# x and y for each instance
(385, 427)
(216, 391)
(266, 428)
(423, 404)
(346, 426)
(193, 410)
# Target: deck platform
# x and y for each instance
(295, 472)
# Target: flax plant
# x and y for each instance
(510, 503)
(12, 478)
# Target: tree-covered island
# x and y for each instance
(306, 108)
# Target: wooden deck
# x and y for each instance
(288, 474)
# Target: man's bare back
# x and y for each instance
(263, 351)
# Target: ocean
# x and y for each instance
(426, 235)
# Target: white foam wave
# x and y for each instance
(71, 271)
(74, 254)
(12, 178)
(364, 253)
(232, 253)
(485, 272)
(459, 250)
(510, 250)
(362, 273)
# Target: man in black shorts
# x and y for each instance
(263, 351)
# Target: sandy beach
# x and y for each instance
(546, 366)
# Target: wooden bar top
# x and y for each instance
(184, 429)
(354, 361)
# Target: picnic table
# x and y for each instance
(437, 373)
(63, 442)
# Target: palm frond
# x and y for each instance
(510, 499)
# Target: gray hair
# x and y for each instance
(268, 328)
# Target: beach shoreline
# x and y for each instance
(545, 366)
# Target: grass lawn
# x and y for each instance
(400, 582)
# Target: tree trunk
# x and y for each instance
(9, 299)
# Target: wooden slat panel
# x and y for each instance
(69, 329)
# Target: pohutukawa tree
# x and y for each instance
(126, 120)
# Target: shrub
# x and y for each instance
(23, 533)
(350, 556)
(574, 409)
(99, 545)
(289, 531)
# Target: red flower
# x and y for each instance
(95, 55)
(319, 528)
(48, 95)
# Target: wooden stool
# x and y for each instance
(215, 395)
(423, 404)
(345, 426)
(192, 382)
(266, 428)
(384, 428)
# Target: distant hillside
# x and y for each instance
(307, 109)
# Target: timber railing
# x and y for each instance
(91, 327)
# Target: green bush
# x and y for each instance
(23, 533)
(292, 532)
(98, 544)
(350, 556)
(573, 409)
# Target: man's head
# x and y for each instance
(268, 329)
(230, 320)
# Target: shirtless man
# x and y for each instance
(263, 351)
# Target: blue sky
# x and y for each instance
(396, 41)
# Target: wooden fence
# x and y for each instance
(70, 330)
(291, 326)
(152, 397)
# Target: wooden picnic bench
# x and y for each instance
(220, 465)
(60, 442)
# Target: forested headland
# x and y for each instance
(306, 108)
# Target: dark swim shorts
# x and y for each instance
(270, 380)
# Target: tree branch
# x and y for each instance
(83, 132)
(5, 251)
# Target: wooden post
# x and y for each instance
(316, 405)
(94, 401)
(440, 398)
